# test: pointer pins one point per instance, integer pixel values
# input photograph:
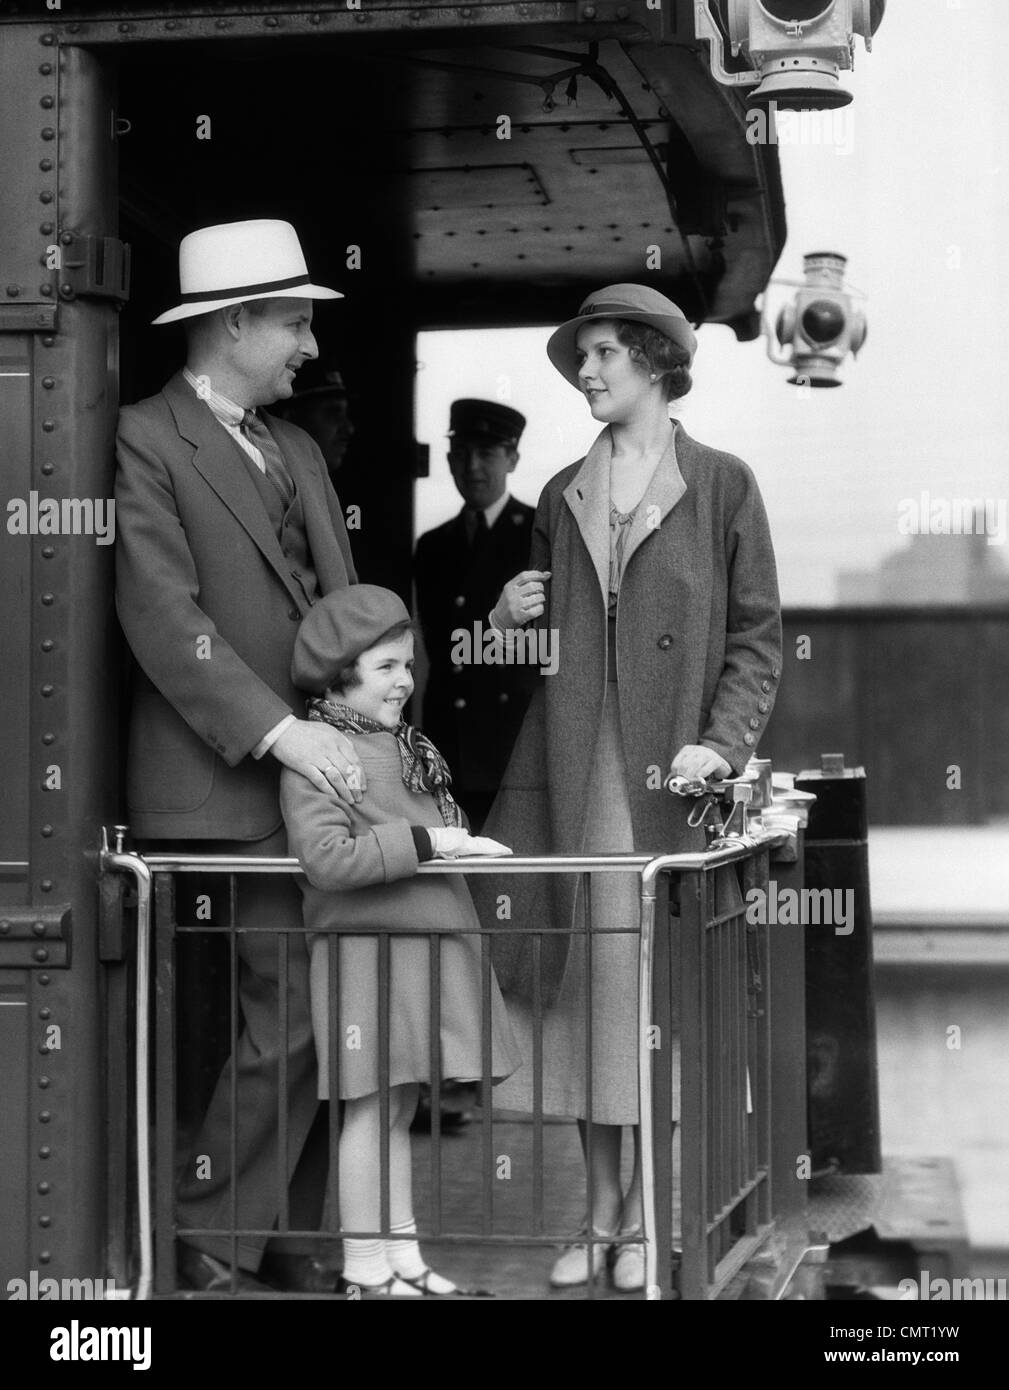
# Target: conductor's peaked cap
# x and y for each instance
(236, 261)
(639, 304)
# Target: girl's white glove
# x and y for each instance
(452, 842)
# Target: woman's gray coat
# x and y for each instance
(698, 635)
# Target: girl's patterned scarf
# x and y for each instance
(424, 768)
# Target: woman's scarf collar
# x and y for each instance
(423, 767)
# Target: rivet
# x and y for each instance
(49, 425)
(45, 1255)
(45, 69)
(46, 290)
(45, 1116)
(48, 39)
(46, 832)
(48, 382)
(41, 955)
(48, 340)
(44, 1013)
(46, 885)
(125, 28)
(46, 690)
(13, 291)
(45, 1222)
(46, 228)
(48, 133)
(43, 1187)
(171, 24)
(45, 1151)
(46, 196)
(39, 928)
(48, 738)
(47, 550)
(47, 102)
(271, 21)
(44, 979)
(43, 1049)
(67, 290)
(5, 927)
(48, 600)
(45, 165)
(66, 238)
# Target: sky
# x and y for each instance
(913, 189)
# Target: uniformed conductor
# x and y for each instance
(473, 709)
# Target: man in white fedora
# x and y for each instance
(228, 531)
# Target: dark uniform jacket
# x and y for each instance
(472, 711)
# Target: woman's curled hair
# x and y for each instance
(657, 353)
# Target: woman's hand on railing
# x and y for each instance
(695, 762)
(522, 599)
(452, 842)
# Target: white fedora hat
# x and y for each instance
(236, 261)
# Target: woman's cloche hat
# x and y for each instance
(338, 628)
(236, 261)
(639, 303)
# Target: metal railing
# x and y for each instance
(716, 973)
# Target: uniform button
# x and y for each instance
(665, 641)
(460, 601)
(503, 697)
(765, 686)
(763, 706)
(459, 704)
(754, 723)
(293, 614)
(749, 740)
(457, 670)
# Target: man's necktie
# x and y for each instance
(276, 469)
(476, 529)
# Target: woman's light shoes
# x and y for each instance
(629, 1266)
(571, 1267)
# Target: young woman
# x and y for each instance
(663, 603)
(354, 649)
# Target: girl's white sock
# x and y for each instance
(365, 1262)
(406, 1260)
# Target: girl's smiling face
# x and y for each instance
(615, 385)
(386, 681)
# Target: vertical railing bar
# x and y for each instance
(589, 1156)
(335, 1029)
(694, 1062)
(284, 1042)
(233, 1074)
(486, 1067)
(384, 1010)
(434, 1069)
(537, 1062)
(165, 1116)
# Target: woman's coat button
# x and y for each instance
(665, 641)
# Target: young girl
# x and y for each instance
(355, 649)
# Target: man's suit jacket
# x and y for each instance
(472, 712)
(210, 610)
